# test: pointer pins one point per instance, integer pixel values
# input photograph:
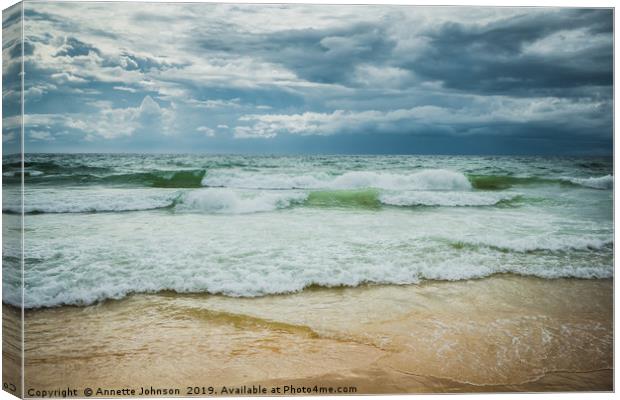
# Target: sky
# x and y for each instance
(209, 78)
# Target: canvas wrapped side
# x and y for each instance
(12, 200)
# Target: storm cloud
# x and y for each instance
(522, 55)
(303, 78)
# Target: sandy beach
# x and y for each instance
(502, 333)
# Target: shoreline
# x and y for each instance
(500, 333)
(307, 289)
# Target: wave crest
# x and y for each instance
(228, 201)
(603, 182)
(501, 182)
(84, 201)
(437, 179)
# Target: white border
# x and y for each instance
(483, 3)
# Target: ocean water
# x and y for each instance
(102, 226)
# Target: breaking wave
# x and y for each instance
(424, 180)
(79, 285)
(84, 201)
(227, 201)
(501, 182)
(156, 179)
(603, 182)
(255, 226)
(240, 201)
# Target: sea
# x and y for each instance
(105, 226)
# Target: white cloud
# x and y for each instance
(383, 77)
(35, 92)
(206, 130)
(148, 118)
(481, 111)
(66, 77)
(114, 122)
(568, 42)
(12, 122)
(125, 89)
(234, 103)
(36, 135)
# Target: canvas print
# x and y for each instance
(263, 199)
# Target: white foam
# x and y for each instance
(437, 179)
(603, 182)
(208, 200)
(259, 254)
(540, 243)
(92, 200)
(104, 282)
(231, 178)
(229, 201)
(27, 172)
(425, 180)
(445, 198)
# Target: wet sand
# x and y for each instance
(503, 333)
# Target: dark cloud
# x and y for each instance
(133, 62)
(16, 49)
(491, 58)
(483, 58)
(73, 47)
(11, 15)
(33, 16)
(11, 79)
(317, 55)
(329, 56)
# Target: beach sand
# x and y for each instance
(502, 333)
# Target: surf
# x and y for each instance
(502, 182)
(244, 201)
(435, 179)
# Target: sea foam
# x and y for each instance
(445, 198)
(228, 201)
(603, 182)
(85, 200)
(272, 225)
(281, 254)
(437, 179)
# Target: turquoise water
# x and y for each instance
(103, 226)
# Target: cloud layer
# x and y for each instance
(274, 78)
